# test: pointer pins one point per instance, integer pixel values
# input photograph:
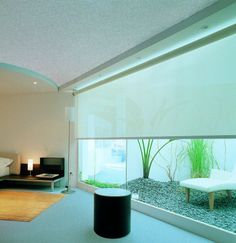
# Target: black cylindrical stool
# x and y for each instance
(112, 208)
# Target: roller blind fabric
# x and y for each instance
(190, 95)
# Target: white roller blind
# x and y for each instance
(191, 95)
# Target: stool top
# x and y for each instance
(112, 192)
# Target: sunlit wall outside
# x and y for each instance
(171, 163)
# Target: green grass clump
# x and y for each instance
(147, 156)
(201, 158)
(101, 184)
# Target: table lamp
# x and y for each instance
(30, 166)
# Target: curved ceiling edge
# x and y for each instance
(28, 72)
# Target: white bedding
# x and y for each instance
(4, 171)
(4, 162)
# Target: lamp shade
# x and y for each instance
(30, 164)
(70, 113)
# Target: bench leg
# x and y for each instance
(52, 186)
(229, 194)
(211, 200)
(187, 192)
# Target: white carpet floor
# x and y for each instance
(71, 221)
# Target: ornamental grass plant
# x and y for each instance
(148, 154)
(201, 157)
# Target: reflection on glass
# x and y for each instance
(103, 162)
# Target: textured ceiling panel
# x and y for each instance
(64, 39)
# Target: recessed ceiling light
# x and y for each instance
(35, 82)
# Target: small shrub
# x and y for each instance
(101, 184)
(177, 155)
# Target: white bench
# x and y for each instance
(219, 180)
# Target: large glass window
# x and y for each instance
(188, 96)
(157, 172)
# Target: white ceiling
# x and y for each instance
(64, 39)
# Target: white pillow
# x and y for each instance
(4, 162)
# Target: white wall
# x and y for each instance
(167, 156)
(93, 160)
(223, 151)
(34, 125)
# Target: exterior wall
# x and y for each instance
(223, 150)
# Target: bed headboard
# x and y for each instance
(15, 165)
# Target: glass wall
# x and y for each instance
(103, 162)
(188, 95)
(157, 172)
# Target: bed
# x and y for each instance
(14, 167)
(4, 171)
(12, 172)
